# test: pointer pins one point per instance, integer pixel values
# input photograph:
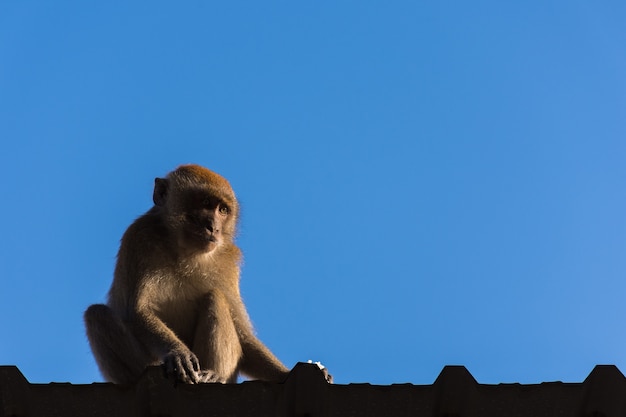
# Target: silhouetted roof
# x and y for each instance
(455, 392)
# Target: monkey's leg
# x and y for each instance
(216, 342)
(119, 355)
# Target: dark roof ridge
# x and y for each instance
(455, 392)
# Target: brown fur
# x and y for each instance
(175, 295)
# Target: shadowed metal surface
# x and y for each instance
(455, 392)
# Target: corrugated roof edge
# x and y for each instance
(455, 392)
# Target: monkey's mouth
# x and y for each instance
(211, 240)
(202, 238)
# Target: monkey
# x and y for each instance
(175, 299)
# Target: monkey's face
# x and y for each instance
(198, 207)
(206, 221)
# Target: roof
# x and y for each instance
(455, 392)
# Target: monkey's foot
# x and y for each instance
(205, 376)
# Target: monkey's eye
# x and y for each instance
(224, 210)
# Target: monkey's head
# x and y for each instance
(198, 206)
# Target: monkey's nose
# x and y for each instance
(212, 229)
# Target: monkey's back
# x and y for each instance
(143, 252)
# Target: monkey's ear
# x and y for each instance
(160, 191)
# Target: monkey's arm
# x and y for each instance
(179, 361)
(259, 362)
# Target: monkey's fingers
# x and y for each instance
(191, 367)
(329, 377)
(182, 367)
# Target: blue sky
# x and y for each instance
(422, 183)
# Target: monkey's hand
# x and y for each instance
(329, 377)
(182, 365)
